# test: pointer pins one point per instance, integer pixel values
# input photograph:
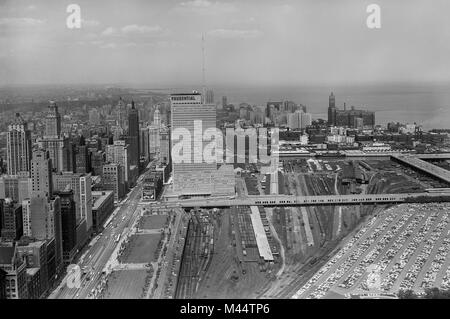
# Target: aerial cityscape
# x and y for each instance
(158, 159)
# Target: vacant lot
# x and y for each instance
(153, 221)
(141, 249)
(127, 284)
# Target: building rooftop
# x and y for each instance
(32, 271)
(99, 197)
(190, 93)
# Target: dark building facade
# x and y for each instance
(82, 160)
(103, 206)
(11, 220)
(68, 225)
(97, 161)
(133, 134)
(331, 110)
(69, 152)
(2, 284)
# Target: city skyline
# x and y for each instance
(224, 150)
(297, 43)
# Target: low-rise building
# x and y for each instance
(15, 269)
(103, 206)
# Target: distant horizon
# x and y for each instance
(196, 86)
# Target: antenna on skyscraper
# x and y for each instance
(203, 67)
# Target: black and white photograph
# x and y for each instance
(224, 155)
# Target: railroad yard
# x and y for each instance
(233, 268)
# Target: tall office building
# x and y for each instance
(193, 177)
(52, 140)
(331, 110)
(165, 146)
(112, 179)
(133, 134)
(18, 146)
(81, 185)
(68, 225)
(209, 97)
(82, 159)
(153, 140)
(41, 174)
(42, 221)
(55, 148)
(120, 153)
(121, 114)
(157, 118)
(144, 143)
(224, 102)
(52, 122)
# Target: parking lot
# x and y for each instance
(407, 244)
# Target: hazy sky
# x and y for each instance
(255, 42)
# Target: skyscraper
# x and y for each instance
(68, 225)
(120, 153)
(18, 146)
(153, 140)
(81, 185)
(113, 180)
(193, 177)
(133, 134)
(144, 143)
(41, 174)
(52, 140)
(165, 145)
(52, 122)
(157, 118)
(331, 110)
(209, 97)
(224, 102)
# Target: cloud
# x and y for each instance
(205, 7)
(111, 45)
(197, 4)
(109, 31)
(20, 22)
(134, 30)
(89, 23)
(234, 33)
(141, 29)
